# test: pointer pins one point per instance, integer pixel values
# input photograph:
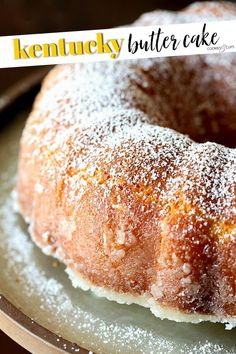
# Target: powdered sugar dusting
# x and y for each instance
(123, 137)
(93, 115)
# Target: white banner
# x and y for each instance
(118, 44)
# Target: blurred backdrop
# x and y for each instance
(30, 16)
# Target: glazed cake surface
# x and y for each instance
(122, 176)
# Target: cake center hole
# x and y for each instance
(220, 129)
(226, 138)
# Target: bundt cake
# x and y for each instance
(124, 177)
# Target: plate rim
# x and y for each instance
(30, 334)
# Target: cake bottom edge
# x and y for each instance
(161, 312)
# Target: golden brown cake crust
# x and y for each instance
(111, 185)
